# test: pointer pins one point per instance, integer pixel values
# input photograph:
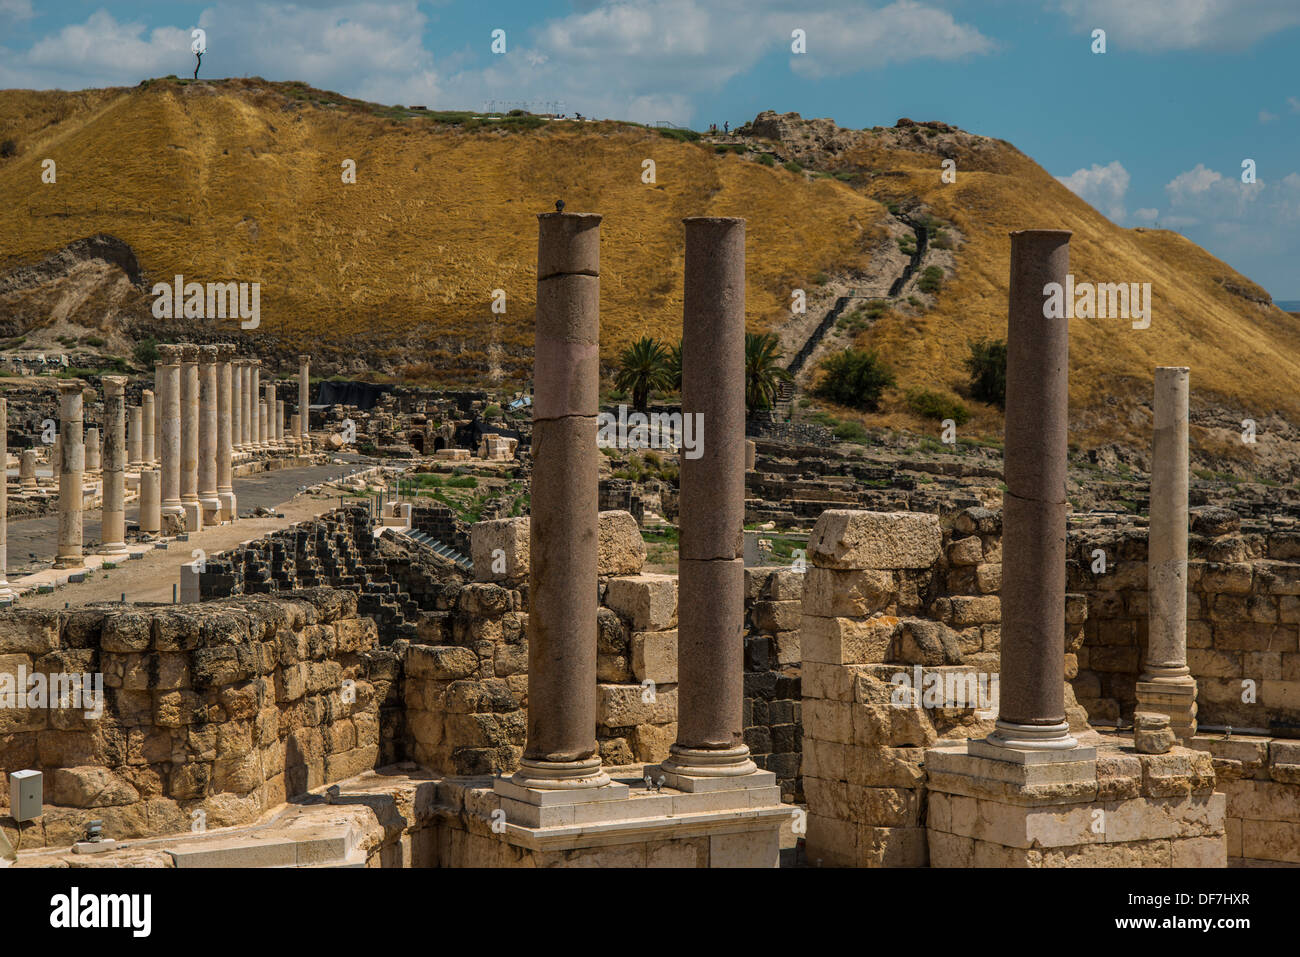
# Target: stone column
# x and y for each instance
(56, 458)
(134, 436)
(148, 452)
(150, 501)
(1166, 685)
(208, 498)
(711, 574)
(237, 404)
(169, 433)
(304, 400)
(1032, 682)
(261, 423)
(561, 751)
(5, 590)
(72, 466)
(113, 533)
(27, 471)
(190, 437)
(270, 417)
(255, 424)
(246, 407)
(92, 449)
(225, 426)
(279, 423)
(295, 431)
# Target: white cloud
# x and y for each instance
(1160, 25)
(1294, 103)
(1266, 117)
(1103, 187)
(1146, 214)
(16, 10)
(646, 60)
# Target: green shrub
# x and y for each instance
(851, 432)
(937, 406)
(766, 159)
(794, 166)
(987, 365)
(855, 378)
(146, 352)
(931, 280)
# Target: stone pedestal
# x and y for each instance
(1166, 685)
(1113, 809)
(190, 438)
(113, 532)
(71, 472)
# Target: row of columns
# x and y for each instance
(561, 751)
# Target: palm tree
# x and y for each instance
(763, 370)
(643, 367)
(675, 366)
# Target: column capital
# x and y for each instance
(114, 385)
(170, 354)
(225, 351)
(189, 352)
(69, 386)
(209, 354)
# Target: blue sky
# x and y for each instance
(1154, 130)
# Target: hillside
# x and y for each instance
(240, 180)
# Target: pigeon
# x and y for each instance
(559, 205)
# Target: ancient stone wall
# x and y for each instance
(773, 710)
(1260, 777)
(1243, 622)
(225, 708)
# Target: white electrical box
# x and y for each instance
(25, 795)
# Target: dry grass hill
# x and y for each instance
(240, 180)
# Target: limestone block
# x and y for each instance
(840, 641)
(89, 787)
(648, 602)
(499, 549)
(654, 656)
(966, 551)
(844, 538)
(622, 551)
(925, 642)
(623, 706)
(833, 593)
(441, 662)
(1152, 733)
(772, 616)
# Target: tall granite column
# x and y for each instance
(148, 449)
(5, 591)
(255, 425)
(113, 529)
(237, 404)
(1032, 682)
(711, 574)
(561, 750)
(135, 436)
(190, 437)
(72, 465)
(270, 416)
(208, 498)
(1166, 684)
(304, 398)
(225, 425)
(169, 433)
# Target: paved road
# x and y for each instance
(41, 535)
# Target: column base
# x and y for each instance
(211, 510)
(705, 769)
(1031, 744)
(193, 516)
(1174, 697)
(70, 561)
(114, 548)
(228, 506)
(560, 775)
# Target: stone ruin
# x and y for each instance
(945, 678)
